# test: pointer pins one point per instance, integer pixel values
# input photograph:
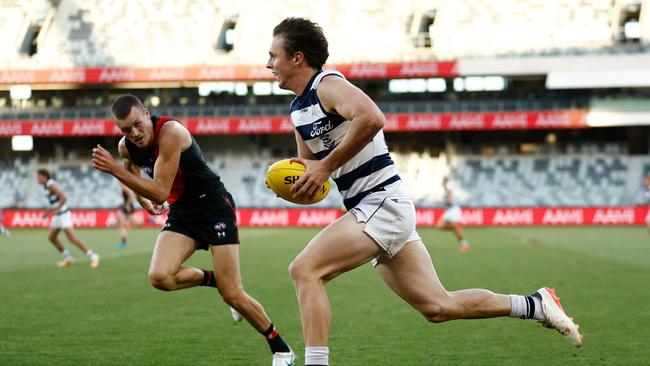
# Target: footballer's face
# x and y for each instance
(41, 179)
(279, 62)
(137, 127)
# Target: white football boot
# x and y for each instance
(284, 358)
(557, 319)
(235, 315)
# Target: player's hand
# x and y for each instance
(103, 160)
(315, 175)
(45, 214)
(157, 209)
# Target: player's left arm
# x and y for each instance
(339, 96)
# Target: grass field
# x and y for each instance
(112, 316)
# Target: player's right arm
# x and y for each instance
(135, 170)
(172, 138)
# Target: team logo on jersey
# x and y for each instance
(327, 140)
(148, 170)
(220, 226)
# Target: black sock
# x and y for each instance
(275, 341)
(208, 278)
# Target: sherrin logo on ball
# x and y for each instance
(283, 174)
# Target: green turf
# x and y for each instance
(112, 316)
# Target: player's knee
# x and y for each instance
(162, 281)
(300, 271)
(233, 296)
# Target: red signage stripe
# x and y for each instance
(282, 124)
(426, 217)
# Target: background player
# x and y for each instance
(646, 186)
(125, 216)
(451, 219)
(201, 211)
(62, 219)
(338, 131)
(3, 230)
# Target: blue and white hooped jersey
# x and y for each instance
(52, 198)
(369, 171)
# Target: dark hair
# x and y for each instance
(121, 107)
(303, 35)
(44, 173)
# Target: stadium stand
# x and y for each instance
(584, 179)
(113, 33)
(524, 28)
(69, 33)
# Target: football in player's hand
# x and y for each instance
(282, 175)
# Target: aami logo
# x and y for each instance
(317, 217)
(270, 218)
(562, 216)
(29, 219)
(291, 179)
(472, 217)
(220, 226)
(84, 218)
(513, 217)
(612, 216)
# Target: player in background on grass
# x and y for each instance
(125, 216)
(338, 131)
(62, 219)
(450, 220)
(201, 211)
(3, 230)
(646, 186)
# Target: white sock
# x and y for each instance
(521, 307)
(464, 242)
(66, 254)
(317, 356)
(90, 253)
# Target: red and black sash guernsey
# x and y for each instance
(194, 177)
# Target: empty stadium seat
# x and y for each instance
(478, 181)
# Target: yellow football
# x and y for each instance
(282, 175)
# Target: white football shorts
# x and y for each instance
(453, 214)
(389, 218)
(62, 221)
